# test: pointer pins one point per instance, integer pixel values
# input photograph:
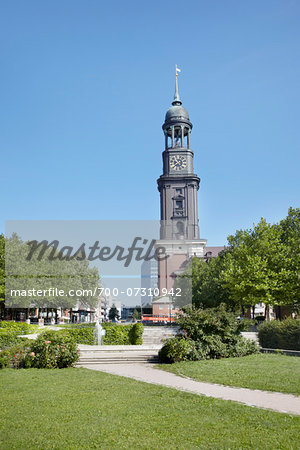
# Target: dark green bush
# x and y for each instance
(198, 323)
(51, 350)
(183, 349)
(116, 334)
(283, 334)
(209, 333)
(123, 334)
(178, 349)
(136, 334)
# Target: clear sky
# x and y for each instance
(85, 86)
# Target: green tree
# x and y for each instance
(136, 315)
(289, 229)
(256, 267)
(113, 313)
(201, 285)
(208, 290)
(66, 275)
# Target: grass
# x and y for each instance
(271, 372)
(80, 408)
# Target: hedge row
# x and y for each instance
(123, 334)
(81, 334)
(284, 334)
(18, 327)
(115, 334)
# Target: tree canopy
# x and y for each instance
(63, 282)
(261, 264)
(113, 313)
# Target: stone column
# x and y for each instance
(189, 138)
(166, 139)
(182, 136)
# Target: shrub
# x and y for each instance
(116, 334)
(207, 334)
(14, 356)
(183, 349)
(52, 350)
(136, 334)
(280, 335)
(198, 323)
(177, 349)
(10, 331)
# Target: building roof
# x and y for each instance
(162, 300)
(212, 252)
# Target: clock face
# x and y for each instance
(177, 162)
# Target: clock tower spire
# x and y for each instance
(178, 186)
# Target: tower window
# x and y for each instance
(180, 228)
(178, 204)
(178, 191)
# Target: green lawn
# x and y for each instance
(80, 408)
(277, 373)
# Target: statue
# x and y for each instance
(98, 332)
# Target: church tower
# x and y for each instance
(178, 187)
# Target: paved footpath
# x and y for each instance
(275, 401)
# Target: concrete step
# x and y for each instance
(117, 348)
(138, 352)
(117, 354)
(113, 360)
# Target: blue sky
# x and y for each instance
(85, 86)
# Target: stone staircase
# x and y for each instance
(117, 354)
(91, 355)
(156, 335)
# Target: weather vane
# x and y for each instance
(177, 70)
